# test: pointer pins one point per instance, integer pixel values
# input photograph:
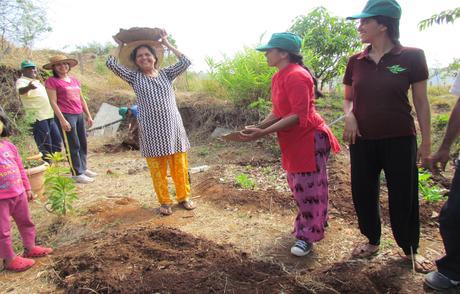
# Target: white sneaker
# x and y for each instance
(90, 173)
(83, 179)
(301, 248)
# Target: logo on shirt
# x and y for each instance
(396, 69)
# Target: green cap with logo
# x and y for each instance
(27, 63)
(285, 41)
(389, 8)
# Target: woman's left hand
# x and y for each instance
(89, 122)
(251, 134)
(423, 155)
(164, 38)
(30, 195)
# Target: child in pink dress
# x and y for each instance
(15, 192)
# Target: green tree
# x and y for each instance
(328, 41)
(96, 48)
(446, 16)
(22, 22)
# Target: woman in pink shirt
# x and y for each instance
(68, 104)
(15, 192)
(304, 138)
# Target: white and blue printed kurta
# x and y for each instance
(161, 130)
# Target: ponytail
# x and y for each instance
(298, 59)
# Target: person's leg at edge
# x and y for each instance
(449, 221)
(365, 177)
(158, 172)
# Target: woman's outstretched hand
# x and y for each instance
(250, 133)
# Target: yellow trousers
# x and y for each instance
(178, 166)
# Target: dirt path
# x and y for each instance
(237, 240)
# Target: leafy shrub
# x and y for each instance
(59, 189)
(244, 181)
(246, 77)
(263, 106)
(430, 192)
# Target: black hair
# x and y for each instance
(392, 25)
(133, 54)
(6, 125)
(298, 59)
(56, 75)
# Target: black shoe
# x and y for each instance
(440, 282)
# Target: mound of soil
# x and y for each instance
(209, 187)
(387, 275)
(163, 260)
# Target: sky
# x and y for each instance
(216, 28)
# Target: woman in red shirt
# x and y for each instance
(304, 138)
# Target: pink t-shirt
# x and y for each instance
(13, 178)
(68, 94)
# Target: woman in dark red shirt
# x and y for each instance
(381, 131)
(304, 138)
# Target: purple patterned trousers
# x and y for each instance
(310, 191)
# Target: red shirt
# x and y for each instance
(293, 93)
(380, 102)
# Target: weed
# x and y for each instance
(60, 189)
(386, 243)
(267, 170)
(244, 181)
(430, 192)
(440, 121)
(204, 151)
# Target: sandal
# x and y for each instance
(187, 205)
(20, 264)
(365, 251)
(37, 251)
(165, 209)
(420, 264)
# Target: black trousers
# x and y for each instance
(397, 158)
(47, 136)
(449, 221)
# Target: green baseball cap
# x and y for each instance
(389, 8)
(122, 111)
(27, 63)
(286, 41)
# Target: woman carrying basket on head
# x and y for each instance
(162, 136)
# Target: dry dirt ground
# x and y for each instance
(236, 241)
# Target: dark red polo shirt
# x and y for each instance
(380, 102)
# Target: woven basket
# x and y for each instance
(133, 37)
